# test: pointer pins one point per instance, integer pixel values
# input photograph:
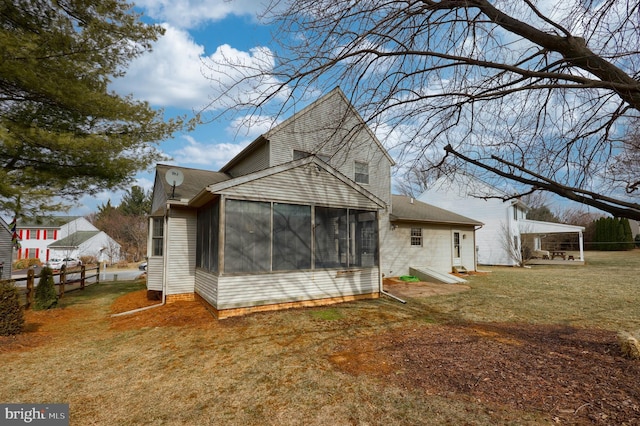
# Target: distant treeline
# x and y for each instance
(612, 233)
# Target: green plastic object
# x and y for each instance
(409, 278)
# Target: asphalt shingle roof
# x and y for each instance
(407, 209)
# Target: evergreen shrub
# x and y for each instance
(11, 313)
(46, 296)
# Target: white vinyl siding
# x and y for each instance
(258, 160)
(244, 291)
(155, 266)
(303, 185)
(206, 285)
(436, 251)
(309, 132)
(181, 251)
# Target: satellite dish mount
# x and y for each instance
(174, 177)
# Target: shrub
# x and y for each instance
(25, 263)
(11, 314)
(88, 260)
(629, 344)
(122, 264)
(46, 296)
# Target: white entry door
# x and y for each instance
(457, 248)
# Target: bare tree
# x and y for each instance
(542, 95)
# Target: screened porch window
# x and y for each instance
(207, 240)
(291, 237)
(345, 238)
(331, 237)
(264, 237)
(247, 236)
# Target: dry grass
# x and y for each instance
(276, 368)
(630, 344)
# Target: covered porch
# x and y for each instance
(552, 243)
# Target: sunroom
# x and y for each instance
(254, 253)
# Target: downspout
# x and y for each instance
(164, 271)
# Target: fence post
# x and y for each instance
(30, 278)
(98, 274)
(82, 275)
(63, 281)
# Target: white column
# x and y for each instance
(580, 238)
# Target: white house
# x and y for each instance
(87, 243)
(505, 222)
(64, 236)
(300, 217)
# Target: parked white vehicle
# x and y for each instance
(59, 264)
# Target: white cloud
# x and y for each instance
(170, 75)
(191, 13)
(211, 156)
(178, 74)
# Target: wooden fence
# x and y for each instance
(68, 281)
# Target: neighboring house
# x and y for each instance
(87, 243)
(6, 250)
(298, 218)
(505, 222)
(36, 235)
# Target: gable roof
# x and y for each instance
(194, 180)
(206, 194)
(74, 239)
(264, 138)
(47, 221)
(407, 209)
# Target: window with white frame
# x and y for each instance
(157, 236)
(416, 237)
(362, 172)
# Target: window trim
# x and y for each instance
(416, 237)
(157, 236)
(359, 177)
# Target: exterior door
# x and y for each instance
(457, 248)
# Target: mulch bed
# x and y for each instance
(573, 375)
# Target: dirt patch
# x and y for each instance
(401, 288)
(131, 301)
(176, 314)
(574, 376)
(40, 328)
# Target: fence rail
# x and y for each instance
(67, 282)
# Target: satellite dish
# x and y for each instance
(174, 178)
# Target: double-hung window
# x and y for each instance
(361, 172)
(416, 237)
(157, 236)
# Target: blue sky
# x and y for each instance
(171, 78)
